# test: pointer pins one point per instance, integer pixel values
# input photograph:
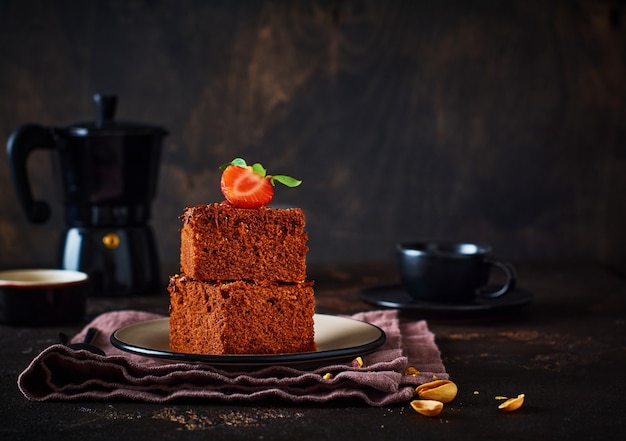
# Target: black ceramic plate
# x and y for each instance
(337, 338)
(394, 296)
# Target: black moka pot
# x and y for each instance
(109, 172)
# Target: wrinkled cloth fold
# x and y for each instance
(61, 373)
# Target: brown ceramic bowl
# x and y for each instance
(42, 296)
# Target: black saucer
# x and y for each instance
(395, 297)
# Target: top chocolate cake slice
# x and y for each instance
(220, 242)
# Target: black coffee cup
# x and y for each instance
(450, 272)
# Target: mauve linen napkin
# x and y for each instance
(62, 373)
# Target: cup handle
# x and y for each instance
(509, 285)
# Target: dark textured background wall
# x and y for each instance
(497, 121)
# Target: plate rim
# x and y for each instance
(253, 359)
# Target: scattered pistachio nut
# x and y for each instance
(411, 371)
(439, 390)
(512, 403)
(358, 362)
(429, 408)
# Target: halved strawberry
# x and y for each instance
(248, 186)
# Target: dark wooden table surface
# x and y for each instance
(567, 353)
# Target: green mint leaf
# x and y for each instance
(258, 168)
(286, 180)
(237, 161)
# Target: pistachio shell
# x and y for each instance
(439, 390)
(428, 408)
(512, 403)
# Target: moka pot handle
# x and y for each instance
(21, 143)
